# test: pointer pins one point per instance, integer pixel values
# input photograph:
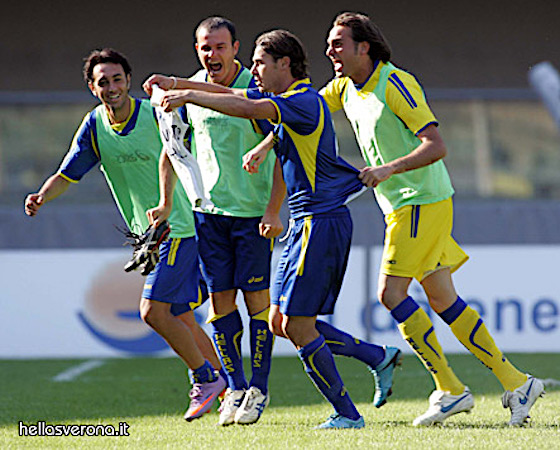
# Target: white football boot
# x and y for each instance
(252, 407)
(230, 404)
(522, 399)
(444, 405)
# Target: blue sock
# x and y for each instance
(319, 365)
(227, 339)
(223, 373)
(204, 374)
(261, 352)
(404, 309)
(344, 344)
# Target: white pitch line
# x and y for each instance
(74, 372)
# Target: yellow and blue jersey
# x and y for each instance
(387, 112)
(129, 156)
(317, 179)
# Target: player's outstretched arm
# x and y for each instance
(257, 155)
(230, 104)
(52, 188)
(431, 149)
(171, 82)
(167, 182)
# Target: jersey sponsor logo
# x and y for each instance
(127, 158)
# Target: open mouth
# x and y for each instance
(214, 67)
(337, 65)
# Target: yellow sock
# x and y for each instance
(469, 328)
(418, 331)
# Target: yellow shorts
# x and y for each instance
(418, 241)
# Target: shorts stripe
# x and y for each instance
(198, 302)
(414, 220)
(304, 244)
(173, 251)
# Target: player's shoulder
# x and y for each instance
(335, 86)
(300, 88)
(399, 76)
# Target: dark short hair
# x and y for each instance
(214, 23)
(105, 55)
(281, 43)
(364, 30)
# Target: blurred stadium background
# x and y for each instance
(472, 58)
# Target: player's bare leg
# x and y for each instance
(207, 384)
(179, 337)
(203, 341)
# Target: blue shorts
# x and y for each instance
(176, 279)
(313, 263)
(233, 253)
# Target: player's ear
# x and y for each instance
(91, 88)
(285, 62)
(236, 47)
(128, 78)
(363, 48)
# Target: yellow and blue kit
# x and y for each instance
(129, 155)
(318, 183)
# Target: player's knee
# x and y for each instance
(257, 300)
(389, 297)
(442, 301)
(189, 320)
(153, 314)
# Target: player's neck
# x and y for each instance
(231, 76)
(363, 72)
(119, 114)
(284, 85)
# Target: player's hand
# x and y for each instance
(275, 319)
(32, 204)
(253, 159)
(174, 99)
(162, 81)
(372, 176)
(158, 215)
(257, 155)
(270, 226)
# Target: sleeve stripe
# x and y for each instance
(279, 120)
(394, 79)
(67, 178)
(426, 126)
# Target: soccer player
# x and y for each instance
(122, 134)
(235, 236)
(318, 183)
(397, 134)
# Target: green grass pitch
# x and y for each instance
(150, 395)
